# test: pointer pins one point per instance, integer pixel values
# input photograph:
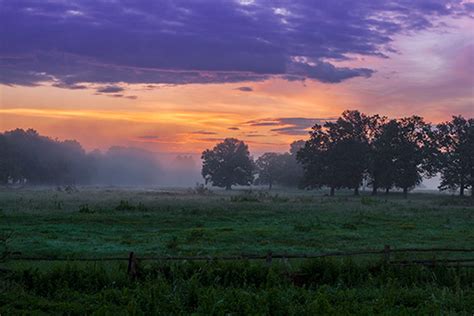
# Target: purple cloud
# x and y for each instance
(202, 41)
(290, 125)
(110, 89)
(245, 89)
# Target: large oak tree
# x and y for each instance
(227, 164)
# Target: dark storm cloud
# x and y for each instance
(202, 41)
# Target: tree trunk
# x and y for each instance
(270, 185)
(405, 192)
(387, 191)
(228, 187)
(331, 193)
(374, 189)
(461, 188)
(356, 191)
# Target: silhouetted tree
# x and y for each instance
(381, 158)
(291, 173)
(269, 168)
(455, 140)
(315, 157)
(227, 164)
(349, 139)
(5, 160)
(414, 154)
(296, 146)
(41, 160)
(26, 155)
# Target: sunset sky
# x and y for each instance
(178, 76)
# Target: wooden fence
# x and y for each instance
(386, 254)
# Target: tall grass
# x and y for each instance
(241, 288)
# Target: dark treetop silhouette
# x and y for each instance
(227, 164)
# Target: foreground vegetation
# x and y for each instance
(104, 222)
(216, 288)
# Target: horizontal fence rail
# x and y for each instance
(387, 251)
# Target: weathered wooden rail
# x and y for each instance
(386, 253)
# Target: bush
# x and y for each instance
(201, 189)
(247, 196)
(124, 206)
(85, 209)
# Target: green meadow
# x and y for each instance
(106, 222)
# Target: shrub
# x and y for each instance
(85, 209)
(172, 243)
(124, 206)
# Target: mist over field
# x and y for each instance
(122, 166)
(237, 157)
(37, 159)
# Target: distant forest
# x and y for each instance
(27, 157)
(345, 153)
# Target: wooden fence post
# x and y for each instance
(132, 270)
(269, 258)
(386, 253)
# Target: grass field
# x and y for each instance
(112, 221)
(106, 222)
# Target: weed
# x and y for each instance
(172, 243)
(201, 189)
(125, 206)
(85, 209)
(303, 227)
(366, 200)
(246, 197)
(349, 226)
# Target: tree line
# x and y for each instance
(28, 157)
(352, 150)
(356, 148)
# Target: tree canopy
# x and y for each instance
(455, 140)
(356, 148)
(228, 164)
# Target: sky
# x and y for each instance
(178, 76)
